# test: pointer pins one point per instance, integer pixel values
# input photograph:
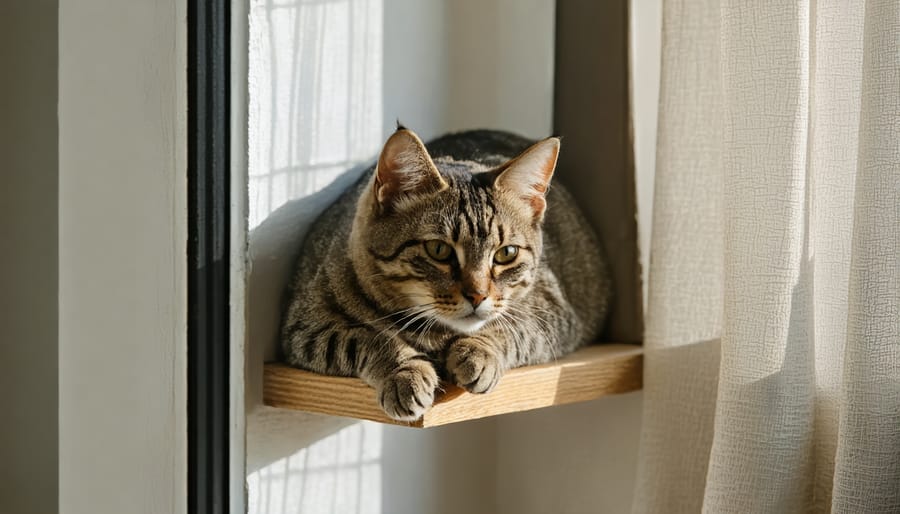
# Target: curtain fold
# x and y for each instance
(681, 343)
(772, 368)
(867, 465)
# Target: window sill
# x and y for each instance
(587, 374)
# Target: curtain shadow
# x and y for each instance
(274, 248)
(680, 388)
(768, 422)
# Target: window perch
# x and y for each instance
(589, 373)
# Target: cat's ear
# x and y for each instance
(405, 169)
(528, 175)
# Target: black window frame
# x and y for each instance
(208, 182)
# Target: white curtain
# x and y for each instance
(772, 377)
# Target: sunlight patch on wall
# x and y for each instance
(341, 473)
(315, 95)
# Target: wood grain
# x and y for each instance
(587, 374)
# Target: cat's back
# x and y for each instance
(487, 147)
(574, 253)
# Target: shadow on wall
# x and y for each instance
(274, 247)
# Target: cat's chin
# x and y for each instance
(467, 325)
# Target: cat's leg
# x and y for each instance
(477, 362)
(404, 379)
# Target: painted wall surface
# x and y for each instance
(577, 458)
(122, 266)
(646, 55)
(28, 262)
(437, 66)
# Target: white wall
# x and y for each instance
(462, 64)
(28, 262)
(570, 459)
(646, 54)
(122, 244)
(437, 66)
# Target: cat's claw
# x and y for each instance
(408, 392)
(473, 367)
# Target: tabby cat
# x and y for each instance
(456, 261)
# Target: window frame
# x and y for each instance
(209, 246)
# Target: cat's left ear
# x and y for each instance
(405, 169)
(528, 175)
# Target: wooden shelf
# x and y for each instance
(587, 374)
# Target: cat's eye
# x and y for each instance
(506, 254)
(438, 250)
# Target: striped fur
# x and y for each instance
(368, 300)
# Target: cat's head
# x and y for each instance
(450, 241)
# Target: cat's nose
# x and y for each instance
(474, 298)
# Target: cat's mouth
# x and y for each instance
(467, 324)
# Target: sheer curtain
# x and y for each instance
(772, 378)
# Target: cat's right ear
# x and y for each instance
(404, 170)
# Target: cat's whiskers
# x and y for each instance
(531, 319)
(423, 330)
(518, 341)
(417, 316)
(546, 325)
(413, 320)
(401, 311)
(417, 311)
(542, 310)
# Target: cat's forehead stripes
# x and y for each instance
(475, 210)
(474, 225)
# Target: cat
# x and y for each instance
(453, 259)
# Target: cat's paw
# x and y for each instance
(473, 366)
(408, 391)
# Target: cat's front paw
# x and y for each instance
(473, 365)
(408, 391)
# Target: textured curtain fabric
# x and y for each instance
(772, 375)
